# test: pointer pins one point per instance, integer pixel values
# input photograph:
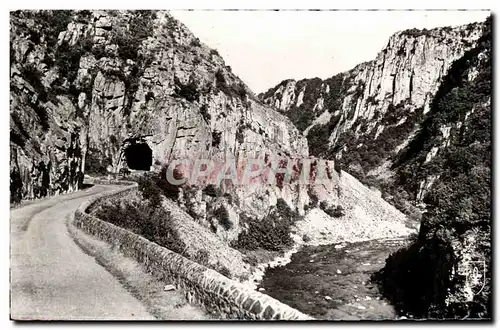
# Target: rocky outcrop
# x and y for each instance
(364, 118)
(449, 267)
(98, 92)
(87, 84)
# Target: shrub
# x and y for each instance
(271, 233)
(211, 190)
(153, 185)
(204, 113)
(153, 223)
(124, 172)
(67, 59)
(415, 33)
(214, 52)
(216, 138)
(335, 212)
(239, 135)
(202, 257)
(48, 23)
(371, 99)
(188, 91)
(338, 212)
(83, 16)
(195, 42)
(213, 226)
(313, 198)
(42, 115)
(31, 74)
(318, 137)
(222, 216)
(241, 91)
(149, 189)
(149, 96)
(129, 41)
(220, 81)
(422, 279)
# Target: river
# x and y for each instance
(333, 281)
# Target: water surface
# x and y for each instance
(333, 281)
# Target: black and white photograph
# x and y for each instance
(276, 165)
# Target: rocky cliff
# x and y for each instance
(416, 122)
(364, 118)
(97, 91)
(447, 271)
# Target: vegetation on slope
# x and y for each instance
(271, 233)
(142, 218)
(429, 278)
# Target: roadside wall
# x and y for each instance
(218, 294)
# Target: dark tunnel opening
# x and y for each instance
(139, 156)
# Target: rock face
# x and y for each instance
(458, 221)
(365, 117)
(87, 85)
(418, 119)
(99, 92)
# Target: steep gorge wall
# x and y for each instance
(364, 118)
(218, 294)
(86, 84)
(434, 277)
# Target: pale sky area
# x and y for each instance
(265, 47)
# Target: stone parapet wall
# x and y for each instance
(220, 295)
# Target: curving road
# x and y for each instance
(52, 278)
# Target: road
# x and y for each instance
(52, 278)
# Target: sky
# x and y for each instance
(265, 47)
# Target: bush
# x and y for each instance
(149, 189)
(204, 113)
(153, 185)
(338, 212)
(222, 216)
(202, 257)
(216, 138)
(313, 198)
(220, 81)
(271, 233)
(16, 187)
(306, 238)
(188, 91)
(153, 223)
(195, 42)
(214, 52)
(211, 190)
(241, 91)
(124, 172)
(129, 41)
(239, 135)
(318, 137)
(48, 23)
(67, 59)
(335, 212)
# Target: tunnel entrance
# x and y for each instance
(139, 156)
